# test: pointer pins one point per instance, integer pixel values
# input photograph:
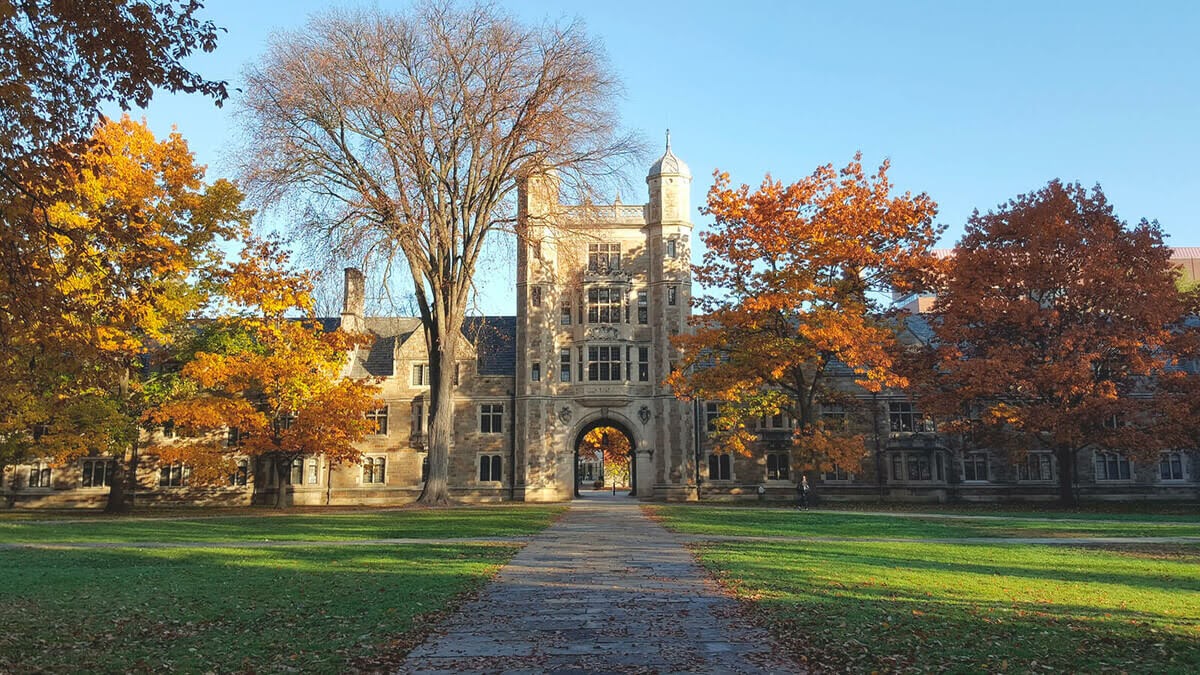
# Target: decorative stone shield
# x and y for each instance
(565, 414)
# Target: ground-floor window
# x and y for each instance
(1037, 466)
(719, 467)
(96, 472)
(777, 466)
(39, 475)
(837, 474)
(241, 474)
(975, 466)
(1170, 466)
(918, 466)
(174, 474)
(489, 468)
(1112, 466)
(373, 470)
(424, 468)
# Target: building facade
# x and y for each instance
(600, 292)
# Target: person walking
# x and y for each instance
(802, 494)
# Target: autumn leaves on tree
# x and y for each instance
(798, 271)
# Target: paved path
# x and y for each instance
(602, 590)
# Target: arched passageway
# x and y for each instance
(608, 443)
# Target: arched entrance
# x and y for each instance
(609, 437)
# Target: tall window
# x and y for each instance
(424, 468)
(604, 258)
(643, 307)
(604, 363)
(672, 295)
(374, 470)
(39, 475)
(241, 474)
(535, 296)
(311, 474)
(296, 472)
(1170, 466)
(719, 467)
(97, 472)
(711, 412)
(564, 365)
(777, 466)
(1112, 466)
(234, 437)
(905, 417)
(643, 364)
(491, 418)
(420, 417)
(564, 315)
(175, 474)
(1037, 466)
(489, 468)
(420, 375)
(604, 305)
(377, 420)
(975, 466)
(535, 371)
(672, 248)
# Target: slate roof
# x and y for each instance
(494, 337)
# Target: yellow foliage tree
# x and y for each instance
(280, 385)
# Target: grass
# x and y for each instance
(321, 609)
(863, 606)
(484, 521)
(765, 521)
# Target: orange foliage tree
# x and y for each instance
(611, 445)
(796, 271)
(127, 236)
(1058, 327)
(278, 383)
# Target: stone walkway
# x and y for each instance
(602, 590)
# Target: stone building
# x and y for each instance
(600, 292)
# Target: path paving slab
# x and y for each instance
(604, 589)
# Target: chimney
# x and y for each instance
(353, 301)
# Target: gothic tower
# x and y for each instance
(600, 292)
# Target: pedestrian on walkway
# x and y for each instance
(802, 493)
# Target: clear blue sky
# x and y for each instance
(974, 102)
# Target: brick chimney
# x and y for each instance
(353, 301)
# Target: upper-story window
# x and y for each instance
(905, 417)
(604, 305)
(643, 307)
(604, 258)
(672, 248)
(420, 375)
(564, 315)
(672, 295)
(535, 296)
(604, 363)
(377, 421)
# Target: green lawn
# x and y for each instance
(768, 521)
(482, 521)
(321, 609)
(863, 606)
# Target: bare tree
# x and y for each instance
(405, 136)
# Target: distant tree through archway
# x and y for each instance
(608, 442)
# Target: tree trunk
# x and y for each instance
(443, 347)
(282, 469)
(1066, 475)
(124, 479)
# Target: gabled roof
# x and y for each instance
(494, 339)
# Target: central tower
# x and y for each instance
(600, 292)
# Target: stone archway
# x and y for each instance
(601, 422)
